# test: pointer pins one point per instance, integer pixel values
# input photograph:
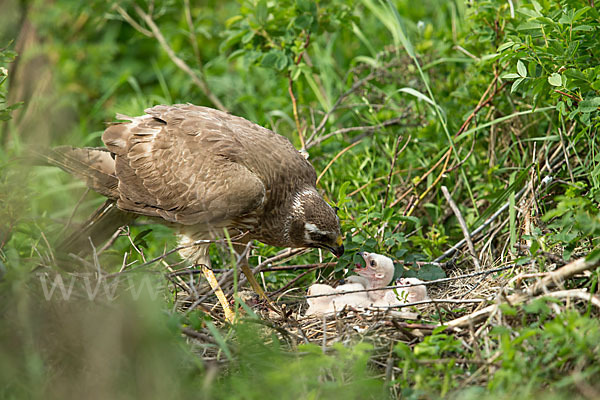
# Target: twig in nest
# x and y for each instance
(290, 283)
(194, 334)
(551, 279)
(554, 257)
(463, 227)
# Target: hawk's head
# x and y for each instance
(314, 223)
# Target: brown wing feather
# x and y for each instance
(174, 163)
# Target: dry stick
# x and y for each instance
(552, 279)
(290, 283)
(185, 271)
(176, 249)
(426, 192)
(63, 230)
(555, 258)
(334, 159)
(562, 142)
(112, 240)
(291, 92)
(482, 103)
(463, 227)
(192, 37)
(389, 179)
(487, 222)
(295, 111)
(422, 178)
(301, 266)
(576, 293)
(355, 86)
(194, 334)
(132, 22)
(576, 99)
(198, 80)
(283, 255)
(365, 128)
(334, 263)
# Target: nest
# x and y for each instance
(466, 303)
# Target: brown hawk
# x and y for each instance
(200, 171)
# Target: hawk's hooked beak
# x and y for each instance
(338, 250)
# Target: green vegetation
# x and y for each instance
(496, 100)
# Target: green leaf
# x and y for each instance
(430, 272)
(521, 69)
(233, 20)
(555, 79)
(248, 37)
(593, 256)
(417, 94)
(401, 31)
(274, 59)
(262, 12)
(303, 21)
(516, 84)
(589, 105)
(529, 12)
(233, 39)
(303, 5)
(585, 28)
(505, 46)
(510, 76)
(140, 235)
(528, 26)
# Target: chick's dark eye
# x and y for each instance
(373, 263)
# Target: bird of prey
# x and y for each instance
(202, 171)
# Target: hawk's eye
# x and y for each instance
(319, 238)
(373, 263)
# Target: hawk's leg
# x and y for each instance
(199, 255)
(253, 282)
(240, 248)
(212, 281)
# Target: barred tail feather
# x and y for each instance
(95, 166)
(98, 228)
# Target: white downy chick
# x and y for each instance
(378, 272)
(338, 300)
(319, 305)
(415, 293)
